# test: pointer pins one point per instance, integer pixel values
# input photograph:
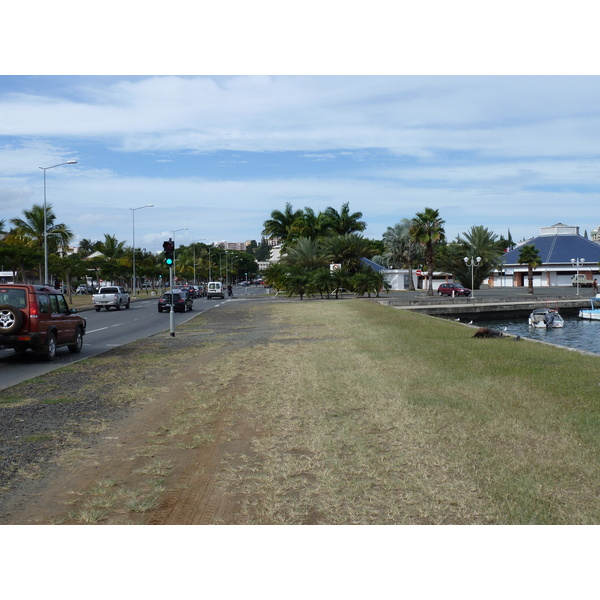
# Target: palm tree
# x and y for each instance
(477, 242)
(86, 247)
(280, 224)
(116, 258)
(428, 230)
(308, 225)
(275, 275)
(32, 229)
(401, 249)
(343, 222)
(322, 281)
(530, 256)
(368, 281)
(307, 254)
(348, 249)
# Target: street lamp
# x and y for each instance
(472, 262)
(133, 224)
(69, 162)
(577, 262)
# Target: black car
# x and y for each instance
(181, 302)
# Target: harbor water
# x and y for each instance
(577, 333)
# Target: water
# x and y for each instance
(577, 333)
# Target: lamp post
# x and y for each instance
(133, 225)
(69, 162)
(577, 262)
(472, 262)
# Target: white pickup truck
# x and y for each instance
(111, 296)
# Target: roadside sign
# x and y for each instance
(419, 272)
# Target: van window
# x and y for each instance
(16, 297)
(43, 304)
(53, 304)
(62, 304)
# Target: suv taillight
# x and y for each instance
(33, 309)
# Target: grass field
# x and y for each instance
(378, 416)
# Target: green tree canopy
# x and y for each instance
(529, 255)
(427, 229)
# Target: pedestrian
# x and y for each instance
(595, 284)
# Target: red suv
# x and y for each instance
(38, 317)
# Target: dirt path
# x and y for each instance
(148, 466)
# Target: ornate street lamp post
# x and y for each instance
(472, 262)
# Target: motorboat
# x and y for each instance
(592, 313)
(548, 318)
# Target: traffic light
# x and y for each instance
(168, 248)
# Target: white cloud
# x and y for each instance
(480, 149)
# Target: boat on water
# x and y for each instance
(592, 313)
(547, 318)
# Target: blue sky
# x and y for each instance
(218, 154)
(454, 106)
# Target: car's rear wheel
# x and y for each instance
(48, 352)
(11, 319)
(77, 345)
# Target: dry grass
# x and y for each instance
(369, 415)
(372, 415)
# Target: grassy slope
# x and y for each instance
(375, 415)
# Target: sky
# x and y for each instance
(217, 154)
(217, 126)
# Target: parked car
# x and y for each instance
(449, 289)
(181, 302)
(37, 317)
(582, 280)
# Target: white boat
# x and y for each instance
(592, 313)
(545, 317)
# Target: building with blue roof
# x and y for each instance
(557, 245)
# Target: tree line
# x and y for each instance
(311, 243)
(321, 253)
(22, 251)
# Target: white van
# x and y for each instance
(582, 280)
(215, 290)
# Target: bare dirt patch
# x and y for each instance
(144, 437)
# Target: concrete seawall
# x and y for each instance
(488, 308)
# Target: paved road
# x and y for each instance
(105, 330)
